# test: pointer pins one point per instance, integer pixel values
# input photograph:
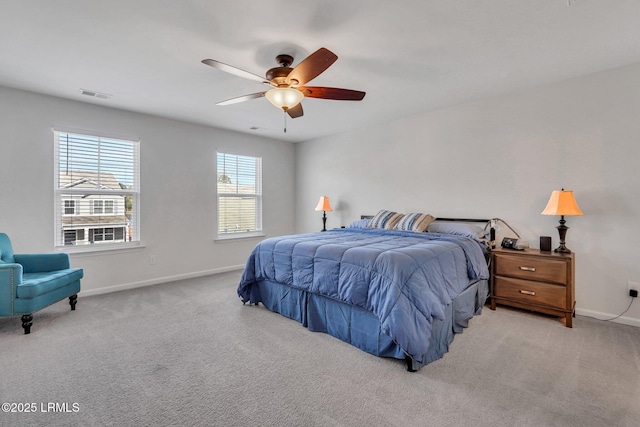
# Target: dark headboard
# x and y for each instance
(492, 230)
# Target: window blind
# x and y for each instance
(97, 189)
(239, 191)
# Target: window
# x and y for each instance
(97, 189)
(239, 195)
(108, 234)
(72, 236)
(69, 207)
(97, 207)
(103, 207)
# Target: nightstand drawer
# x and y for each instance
(528, 291)
(532, 268)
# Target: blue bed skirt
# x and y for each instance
(361, 328)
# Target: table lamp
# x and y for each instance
(562, 203)
(324, 206)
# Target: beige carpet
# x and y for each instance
(190, 354)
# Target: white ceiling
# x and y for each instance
(408, 55)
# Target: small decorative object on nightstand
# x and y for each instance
(324, 206)
(545, 243)
(562, 203)
(534, 280)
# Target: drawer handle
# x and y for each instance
(522, 291)
(528, 268)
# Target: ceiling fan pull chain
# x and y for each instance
(285, 121)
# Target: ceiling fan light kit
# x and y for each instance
(287, 84)
(284, 97)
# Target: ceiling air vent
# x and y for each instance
(95, 94)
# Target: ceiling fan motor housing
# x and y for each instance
(284, 60)
(278, 75)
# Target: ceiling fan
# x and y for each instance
(288, 84)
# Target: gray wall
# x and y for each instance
(502, 157)
(178, 189)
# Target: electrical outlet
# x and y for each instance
(633, 288)
(152, 260)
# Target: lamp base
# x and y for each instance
(562, 231)
(562, 250)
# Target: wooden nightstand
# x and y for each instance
(534, 280)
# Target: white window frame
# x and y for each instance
(97, 207)
(239, 193)
(108, 207)
(72, 205)
(99, 164)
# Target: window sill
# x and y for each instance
(100, 248)
(238, 236)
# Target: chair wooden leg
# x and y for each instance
(73, 299)
(26, 323)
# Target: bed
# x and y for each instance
(391, 292)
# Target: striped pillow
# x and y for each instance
(385, 220)
(415, 222)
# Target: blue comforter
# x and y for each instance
(406, 279)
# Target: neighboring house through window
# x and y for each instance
(97, 189)
(239, 195)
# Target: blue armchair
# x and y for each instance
(30, 282)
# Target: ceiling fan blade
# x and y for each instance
(332, 93)
(241, 98)
(295, 111)
(311, 67)
(235, 71)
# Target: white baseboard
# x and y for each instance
(604, 316)
(157, 281)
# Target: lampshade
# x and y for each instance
(284, 97)
(562, 202)
(323, 204)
